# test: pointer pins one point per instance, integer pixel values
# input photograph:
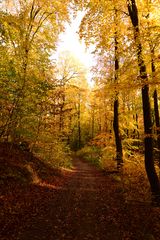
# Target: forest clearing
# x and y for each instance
(79, 119)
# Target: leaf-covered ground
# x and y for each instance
(82, 204)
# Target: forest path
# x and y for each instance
(84, 203)
(82, 209)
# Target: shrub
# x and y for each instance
(57, 154)
(107, 160)
(91, 154)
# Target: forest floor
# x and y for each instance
(83, 203)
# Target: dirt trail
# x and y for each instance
(79, 210)
(83, 204)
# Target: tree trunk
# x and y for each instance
(157, 120)
(119, 154)
(93, 122)
(79, 121)
(148, 142)
(155, 97)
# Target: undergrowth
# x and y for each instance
(57, 154)
(19, 165)
(91, 154)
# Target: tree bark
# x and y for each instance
(79, 121)
(93, 122)
(119, 153)
(148, 142)
(155, 97)
(157, 120)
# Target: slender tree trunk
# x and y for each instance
(119, 154)
(93, 120)
(138, 144)
(148, 142)
(62, 105)
(79, 121)
(135, 131)
(61, 119)
(157, 120)
(155, 97)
